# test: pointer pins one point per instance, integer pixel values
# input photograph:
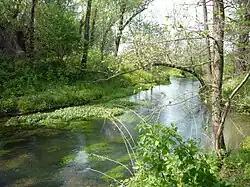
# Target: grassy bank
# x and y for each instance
(241, 101)
(46, 85)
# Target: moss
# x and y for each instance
(68, 159)
(117, 139)
(4, 152)
(15, 162)
(13, 141)
(116, 173)
(124, 159)
(103, 147)
(25, 182)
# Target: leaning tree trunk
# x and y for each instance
(217, 71)
(86, 35)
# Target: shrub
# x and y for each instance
(165, 159)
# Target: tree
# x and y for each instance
(86, 41)
(93, 27)
(32, 28)
(57, 36)
(12, 28)
(243, 36)
(208, 70)
(125, 7)
(217, 70)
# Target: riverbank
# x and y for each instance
(82, 120)
(48, 86)
(241, 102)
(236, 167)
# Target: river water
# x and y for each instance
(45, 157)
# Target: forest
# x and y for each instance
(124, 93)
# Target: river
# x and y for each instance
(46, 157)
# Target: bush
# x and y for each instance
(165, 159)
(236, 167)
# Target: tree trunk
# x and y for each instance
(123, 24)
(92, 33)
(120, 28)
(243, 41)
(208, 69)
(32, 30)
(81, 25)
(103, 43)
(217, 71)
(86, 35)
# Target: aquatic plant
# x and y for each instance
(63, 118)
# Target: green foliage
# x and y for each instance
(165, 159)
(236, 168)
(8, 8)
(57, 30)
(242, 99)
(64, 118)
(50, 85)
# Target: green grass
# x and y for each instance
(236, 168)
(52, 85)
(242, 99)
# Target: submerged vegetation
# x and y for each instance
(62, 67)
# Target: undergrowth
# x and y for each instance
(45, 85)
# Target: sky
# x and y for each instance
(159, 9)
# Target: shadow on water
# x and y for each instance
(46, 157)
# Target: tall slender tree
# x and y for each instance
(208, 70)
(93, 27)
(86, 35)
(217, 70)
(32, 29)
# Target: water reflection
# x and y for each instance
(177, 103)
(237, 127)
